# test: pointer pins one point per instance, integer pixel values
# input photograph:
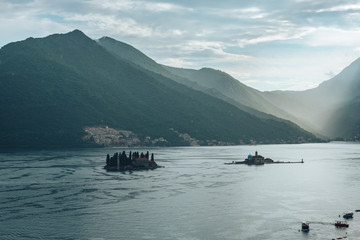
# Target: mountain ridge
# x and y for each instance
(53, 87)
(333, 99)
(184, 76)
(313, 109)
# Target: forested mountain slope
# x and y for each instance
(53, 87)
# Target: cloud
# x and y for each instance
(237, 13)
(22, 19)
(325, 36)
(133, 5)
(340, 8)
(252, 40)
(115, 25)
(199, 54)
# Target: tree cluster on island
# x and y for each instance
(133, 161)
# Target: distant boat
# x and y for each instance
(341, 224)
(305, 227)
(348, 215)
(357, 210)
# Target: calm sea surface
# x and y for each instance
(68, 195)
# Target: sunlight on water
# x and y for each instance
(68, 194)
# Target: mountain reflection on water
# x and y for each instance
(68, 195)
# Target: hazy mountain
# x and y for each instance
(53, 87)
(130, 54)
(328, 110)
(212, 82)
(332, 108)
(222, 85)
(314, 110)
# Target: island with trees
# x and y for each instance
(133, 161)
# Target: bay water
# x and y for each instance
(66, 194)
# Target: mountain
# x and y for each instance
(322, 110)
(212, 82)
(132, 55)
(340, 97)
(222, 85)
(52, 88)
(332, 108)
(329, 110)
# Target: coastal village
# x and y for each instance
(106, 137)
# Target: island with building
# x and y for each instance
(259, 160)
(133, 161)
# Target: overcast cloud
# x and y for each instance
(268, 44)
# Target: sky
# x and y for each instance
(265, 44)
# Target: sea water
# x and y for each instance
(66, 194)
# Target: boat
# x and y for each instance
(357, 210)
(341, 224)
(348, 215)
(305, 227)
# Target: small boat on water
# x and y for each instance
(341, 224)
(305, 227)
(348, 215)
(357, 210)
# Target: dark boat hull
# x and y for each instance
(340, 224)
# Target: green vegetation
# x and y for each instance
(51, 88)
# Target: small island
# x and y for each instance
(259, 160)
(133, 161)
